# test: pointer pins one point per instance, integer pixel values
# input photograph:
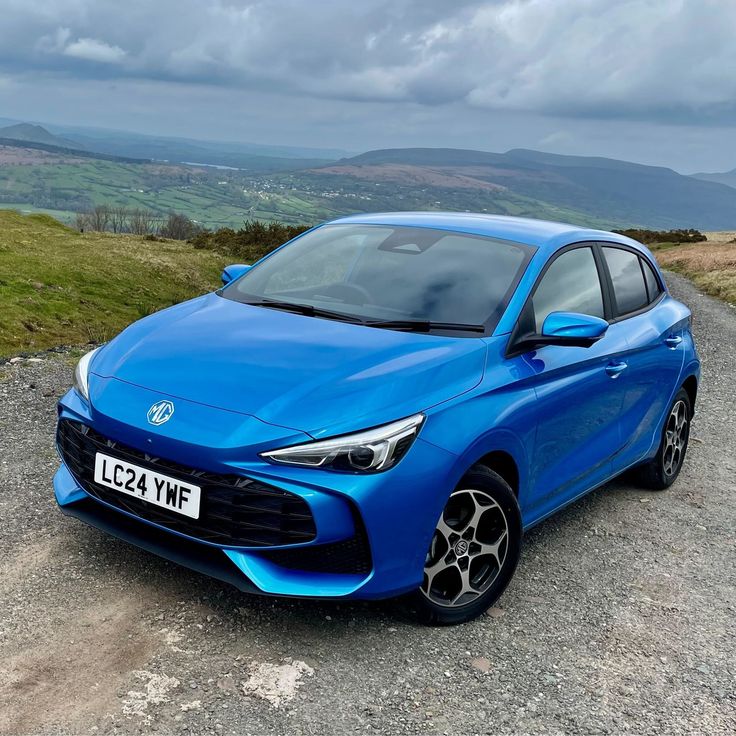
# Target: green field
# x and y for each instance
(226, 198)
(60, 287)
(212, 197)
(69, 188)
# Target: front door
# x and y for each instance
(579, 391)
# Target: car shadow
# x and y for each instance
(138, 569)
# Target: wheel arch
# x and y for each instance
(502, 463)
(690, 384)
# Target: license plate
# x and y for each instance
(159, 490)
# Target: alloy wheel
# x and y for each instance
(675, 438)
(468, 549)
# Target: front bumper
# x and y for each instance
(397, 509)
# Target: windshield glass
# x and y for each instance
(390, 273)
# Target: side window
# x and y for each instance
(570, 284)
(653, 287)
(629, 289)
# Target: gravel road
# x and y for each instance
(621, 617)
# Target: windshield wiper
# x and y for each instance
(424, 325)
(305, 309)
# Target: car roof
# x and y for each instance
(544, 234)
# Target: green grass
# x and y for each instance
(67, 188)
(60, 287)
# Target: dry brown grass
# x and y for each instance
(711, 265)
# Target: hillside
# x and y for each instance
(58, 286)
(607, 190)
(725, 177)
(36, 134)
(590, 191)
(195, 152)
(214, 198)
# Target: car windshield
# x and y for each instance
(389, 276)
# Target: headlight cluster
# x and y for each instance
(370, 451)
(81, 374)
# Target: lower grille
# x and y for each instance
(348, 556)
(234, 511)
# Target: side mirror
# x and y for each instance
(571, 328)
(232, 272)
(565, 328)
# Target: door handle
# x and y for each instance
(673, 341)
(614, 370)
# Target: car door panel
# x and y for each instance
(655, 356)
(578, 430)
(578, 391)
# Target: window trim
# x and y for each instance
(617, 316)
(515, 337)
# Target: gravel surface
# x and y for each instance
(620, 617)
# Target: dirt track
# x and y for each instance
(620, 618)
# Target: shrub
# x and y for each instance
(179, 227)
(253, 241)
(664, 236)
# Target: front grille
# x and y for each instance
(234, 511)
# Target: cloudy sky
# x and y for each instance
(646, 80)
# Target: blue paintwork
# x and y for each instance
(246, 379)
(233, 271)
(572, 325)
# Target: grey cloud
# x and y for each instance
(655, 59)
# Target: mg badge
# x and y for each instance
(160, 412)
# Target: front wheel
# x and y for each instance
(473, 553)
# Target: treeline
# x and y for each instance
(664, 236)
(251, 242)
(109, 218)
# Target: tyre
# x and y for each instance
(661, 471)
(474, 551)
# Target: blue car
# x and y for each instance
(382, 406)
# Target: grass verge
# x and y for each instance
(58, 286)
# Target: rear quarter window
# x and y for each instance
(629, 288)
(653, 287)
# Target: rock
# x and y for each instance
(482, 664)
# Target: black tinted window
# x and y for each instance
(628, 280)
(653, 288)
(570, 284)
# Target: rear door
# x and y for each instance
(579, 391)
(654, 332)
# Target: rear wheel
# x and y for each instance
(473, 553)
(661, 471)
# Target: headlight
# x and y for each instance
(365, 452)
(81, 374)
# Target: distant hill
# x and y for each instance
(246, 156)
(36, 134)
(603, 189)
(726, 177)
(72, 153)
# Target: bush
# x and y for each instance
(664, 236)
(179, 227)
(253, 241)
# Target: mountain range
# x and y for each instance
(726, 177)
(305, 185)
